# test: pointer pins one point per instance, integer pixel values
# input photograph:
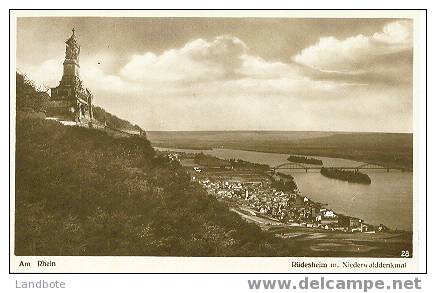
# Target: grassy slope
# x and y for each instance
(82, 192)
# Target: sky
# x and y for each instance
(303, 74)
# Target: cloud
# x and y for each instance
(221, 84)
(46, 74)
(362, 54)
(331, 54)
(224, 64)
(398, 33)
(257, 67)
(198, 60)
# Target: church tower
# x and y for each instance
(70, 101)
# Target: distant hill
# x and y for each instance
(214, 138)
(387, 149)
(390, 149)
(362, 140)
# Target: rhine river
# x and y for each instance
(387, 200)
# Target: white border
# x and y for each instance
(241, 264)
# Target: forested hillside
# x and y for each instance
(113, 121)
(80, 191)
(29, 98)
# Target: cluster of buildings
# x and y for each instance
(289, 208)
(173, 156)
(259, 198)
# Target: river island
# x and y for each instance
(273, 201)
(255, 193)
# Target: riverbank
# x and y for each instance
(394, 150)
(364, 159)
(318, 242)
(325, 218)
(376, 203)
(288, 215)
(267, 195)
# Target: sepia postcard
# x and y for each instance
(217, 141)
